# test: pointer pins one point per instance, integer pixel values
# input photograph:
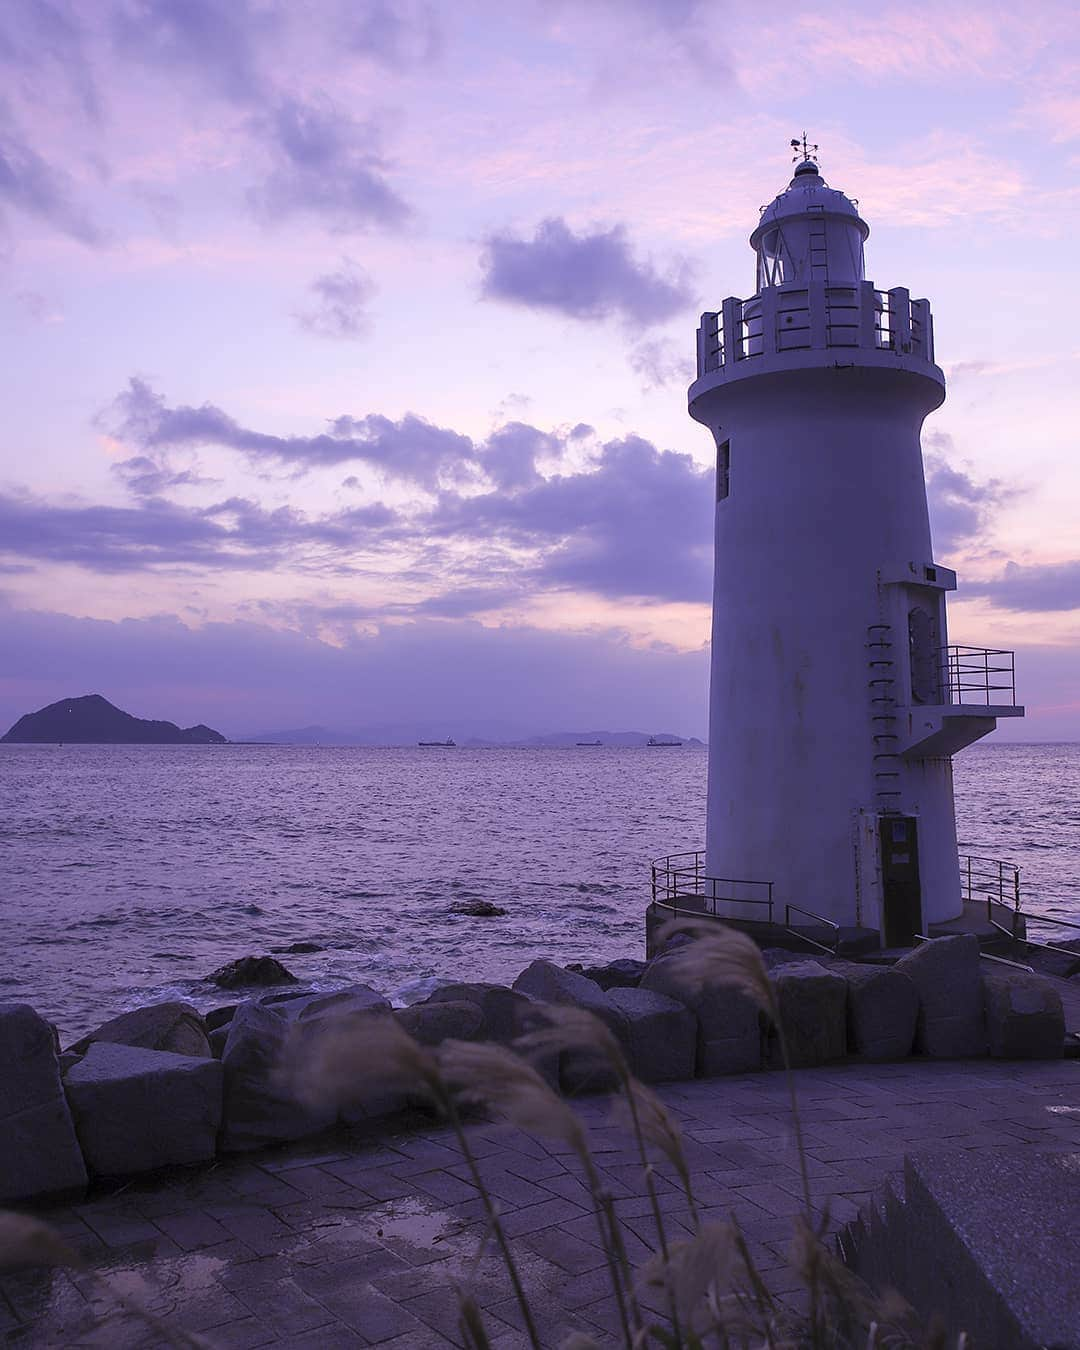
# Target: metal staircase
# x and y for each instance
(881, 663)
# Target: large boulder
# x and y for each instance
(433, 1023)
(175, 1027)
(945, 971)
(1024, 1016)
(728, 1020)
(251, 970)
(260, 1105)
(621, 974)
(549, 983)
(882, 1009)
(356, 998)
(579, 1070)
(812, 1003)
(502, 1010)
(662, 1034)
(39, 1153)
(138, 1109)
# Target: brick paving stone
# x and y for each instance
(445, 1186)
(118, 1228)
(569, 1253)
(284, 1307)
(193, 1230)
(246, 1333)
(333, 1337)
(507, 1186)
(533, 1218)
(382, 1184)
(360, 1307)
(293, 1234)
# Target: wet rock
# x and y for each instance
(662, 1034)
(297, 949)
(502, 1010)
(478, 909)
(218, 1039)
(251, 970)
(579, 1071)
(418, 990)
(137, 1109)
(1024, 1016)
(781, 956)
(174, 1027)
(433, 1023)
(356, 998)
(945, 971)
(812, 1003)
(39, 1153)
(882, 1009)
(728, 1021)
(260, 1106)
(621, 974)
(219, 1017)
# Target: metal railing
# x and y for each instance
(990, 879)
(814, 316)
(979, 675)
(818, 918)
(679, 883)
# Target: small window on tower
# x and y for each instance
(723, 469)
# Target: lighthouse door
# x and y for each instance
(901, 895)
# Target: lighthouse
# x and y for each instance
(836, 699)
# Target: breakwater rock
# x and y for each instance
(164, 1086)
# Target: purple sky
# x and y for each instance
(347, 341)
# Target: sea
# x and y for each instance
(129, 873)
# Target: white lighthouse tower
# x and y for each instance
(836, 701)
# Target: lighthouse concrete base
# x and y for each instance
(986, 920)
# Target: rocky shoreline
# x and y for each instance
(164, 1085)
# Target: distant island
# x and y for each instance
(93, 719)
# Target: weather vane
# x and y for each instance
(802, 148)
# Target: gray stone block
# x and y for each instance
(260, 1106)
(501, 1009)
(579, 1071)
(39, 1153)
(729, 1038)
(812, 1003)
(433, 1023)
(138, 1109)
(622, 974)
(946, 973)
(175, 1027)
(662, 1034)
(985, 1241)
(1024, 1016)
(882, 1010)
(357, 998)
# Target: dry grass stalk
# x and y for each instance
(340, 1061)
(26, 1243)
(696, 1269)
(479, 1072)
(569, 1028)
(641, 1108)
(719, 955)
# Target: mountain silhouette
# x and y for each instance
(92, 718)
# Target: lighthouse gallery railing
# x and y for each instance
(802, 318)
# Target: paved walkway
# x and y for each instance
(360, 1242)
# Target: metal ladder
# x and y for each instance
(881, 663)
(819, 251)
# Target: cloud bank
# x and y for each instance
(592, 275)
